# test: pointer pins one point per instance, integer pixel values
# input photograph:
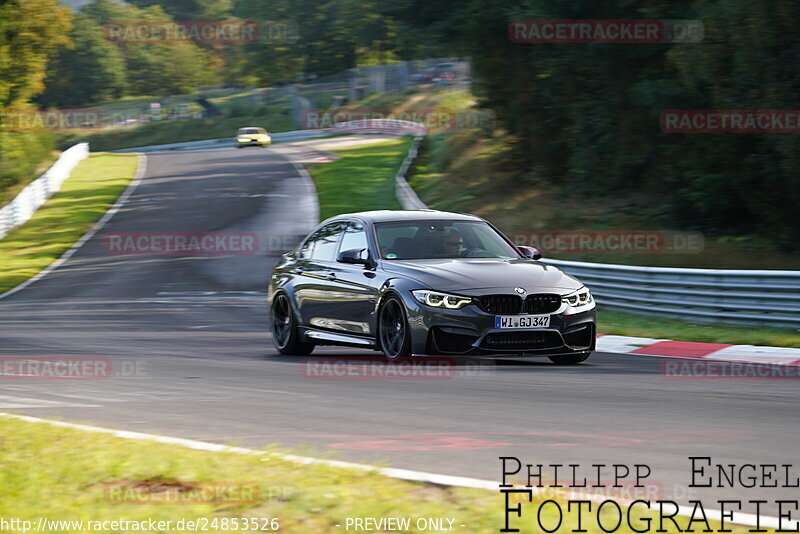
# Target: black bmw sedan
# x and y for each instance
(414, 283)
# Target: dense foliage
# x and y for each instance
(293, 38)
(587, 115)
(30, 32)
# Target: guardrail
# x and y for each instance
(369, 126)
(746, 297)
(37, 192)
(768, 298)
(405, 193)
(207, 144)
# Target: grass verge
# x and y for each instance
(362, 179)
(474, 170)
(91, 189)
(626, 324)
(66, 474)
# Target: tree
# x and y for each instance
(92, 70)
(159, 69)
(587, 115)
(191, 9)
(30, 30)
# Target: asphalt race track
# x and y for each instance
(191, 356)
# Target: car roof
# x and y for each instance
(407, 215)
(251, 128)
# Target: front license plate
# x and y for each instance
(521, 321)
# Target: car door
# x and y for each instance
(356, 288)
(315, 281)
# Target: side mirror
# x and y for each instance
(352, 256)
(531, 252)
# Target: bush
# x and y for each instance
(21, 154)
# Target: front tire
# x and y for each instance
(394, 337)
(285, 335)
(570, 359)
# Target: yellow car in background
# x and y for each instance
(252, 136)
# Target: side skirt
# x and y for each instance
(330, 338)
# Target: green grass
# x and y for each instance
(474, 170)
(141, 104)
(323, 99)
(64, 474)
(362, 179)
(625, 324)
(91, 189)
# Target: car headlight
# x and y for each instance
(436, 299)
(242, 139)
(579, 298)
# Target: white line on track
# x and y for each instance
(15, 402)
(142, 167)
(403, 474)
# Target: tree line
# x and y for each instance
(583, 115)
(295, 38)
(586, 115)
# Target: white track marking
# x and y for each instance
(756, 353)
(12, 401)
(88, 235)
(610, 343)
(403, 474)
(734, 353)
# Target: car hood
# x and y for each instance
(473, 276)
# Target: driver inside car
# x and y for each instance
(452, 244)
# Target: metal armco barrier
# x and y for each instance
(37, 192)
(405, 193)
(767, 298)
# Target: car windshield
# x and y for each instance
(414, 240)
(249, 131)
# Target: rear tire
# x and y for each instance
(570, 359)
(394, 338)
(285, 335)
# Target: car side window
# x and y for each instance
(308, 247)
(326, 239)
(355, 237)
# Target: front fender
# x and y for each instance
(402, 289)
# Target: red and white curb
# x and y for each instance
(666, 348)
(309, 155)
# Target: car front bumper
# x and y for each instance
(471, 331)
(253, 142)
